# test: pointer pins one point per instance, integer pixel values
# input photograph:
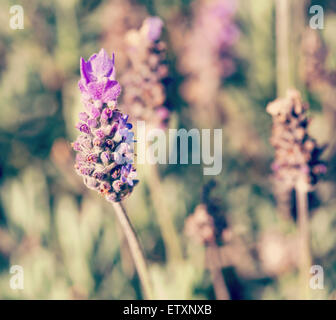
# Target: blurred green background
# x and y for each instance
(67, 238)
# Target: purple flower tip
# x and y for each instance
(97, 67)
(154, 28)
(97, 78)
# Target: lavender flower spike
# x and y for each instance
(105, 146)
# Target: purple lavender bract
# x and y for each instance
(105, 146)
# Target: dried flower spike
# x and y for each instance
(105, 146)
(296, 153)
(144, 95)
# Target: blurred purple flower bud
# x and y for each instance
(154, 25)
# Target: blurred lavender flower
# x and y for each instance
(207, 225)
(200, 226)
(207, 54)
(144, 94)
(296, 153)
(105, 145)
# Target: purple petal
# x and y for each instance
(83, 128)
(81, 86)
(76, 146)
(130, 181)
(111, 91)
(100, 134)
(107, 113)
(95, 113)
(83, 116)
(102, 65)
(85, 69)
(95, 90)
(92, 123)
(155, 25)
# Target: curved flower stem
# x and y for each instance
(135, 248)
(218, 281)
(304, 240)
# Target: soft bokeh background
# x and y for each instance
(67, 238)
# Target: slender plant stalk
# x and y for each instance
(298, 9)
(282, 46)
(135, 248)
(164, 216)
(282, 78)
(218, 281)
(304, 240)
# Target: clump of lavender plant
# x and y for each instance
(105, 146)
(144, 94)
(296, 153)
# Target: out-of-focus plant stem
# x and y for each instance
(282, 19)
(304, 239)
(282, 46)
(164, 216)
(298, 11)
(218, 281)
(135, 248)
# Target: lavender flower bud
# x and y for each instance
(105, 146)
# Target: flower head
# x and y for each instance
(105, 146)
(207, 224)
(297, 155)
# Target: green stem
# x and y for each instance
(304, 240)
(135, 248)
(218, 281)
(282, 46)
